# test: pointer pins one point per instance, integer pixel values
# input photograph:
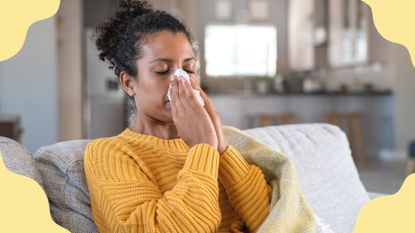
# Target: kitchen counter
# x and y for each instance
(330, 94)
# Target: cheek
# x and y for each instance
(148, 83)
(151, 80)
(152, 91)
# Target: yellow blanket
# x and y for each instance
(289, 211)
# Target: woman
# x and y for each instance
(172, 170)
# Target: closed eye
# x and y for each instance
(162, 72)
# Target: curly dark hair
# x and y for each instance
(120, 38)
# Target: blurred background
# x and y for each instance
(263, 62)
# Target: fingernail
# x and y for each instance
(172, 78)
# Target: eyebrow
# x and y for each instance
(171, 61)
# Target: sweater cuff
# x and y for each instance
(232, 166)
(203, 158)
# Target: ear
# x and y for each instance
(127, 82)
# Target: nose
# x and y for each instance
(181, 73)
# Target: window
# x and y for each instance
(240, 50)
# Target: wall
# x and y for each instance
(97, 10)
(405, 97)
(28, 86)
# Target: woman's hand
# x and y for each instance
(192, 121)
(214, 116)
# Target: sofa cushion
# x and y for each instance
(61, 166)
(327, 174)
(19, 160)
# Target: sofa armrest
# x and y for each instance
(61, 166)
(19, 160)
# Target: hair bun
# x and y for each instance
(135, 7)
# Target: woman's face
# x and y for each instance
(162, 53)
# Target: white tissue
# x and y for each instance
(181, 73)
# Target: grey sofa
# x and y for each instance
(321, 154)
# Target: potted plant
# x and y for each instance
(262, 84)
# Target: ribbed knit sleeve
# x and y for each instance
(125, 199)
(246, 187)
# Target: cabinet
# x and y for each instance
(348, 32)
(326, 33)
(10, 127)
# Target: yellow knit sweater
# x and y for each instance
(141, 183)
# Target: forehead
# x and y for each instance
(167, 44)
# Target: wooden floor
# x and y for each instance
(383, 176)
